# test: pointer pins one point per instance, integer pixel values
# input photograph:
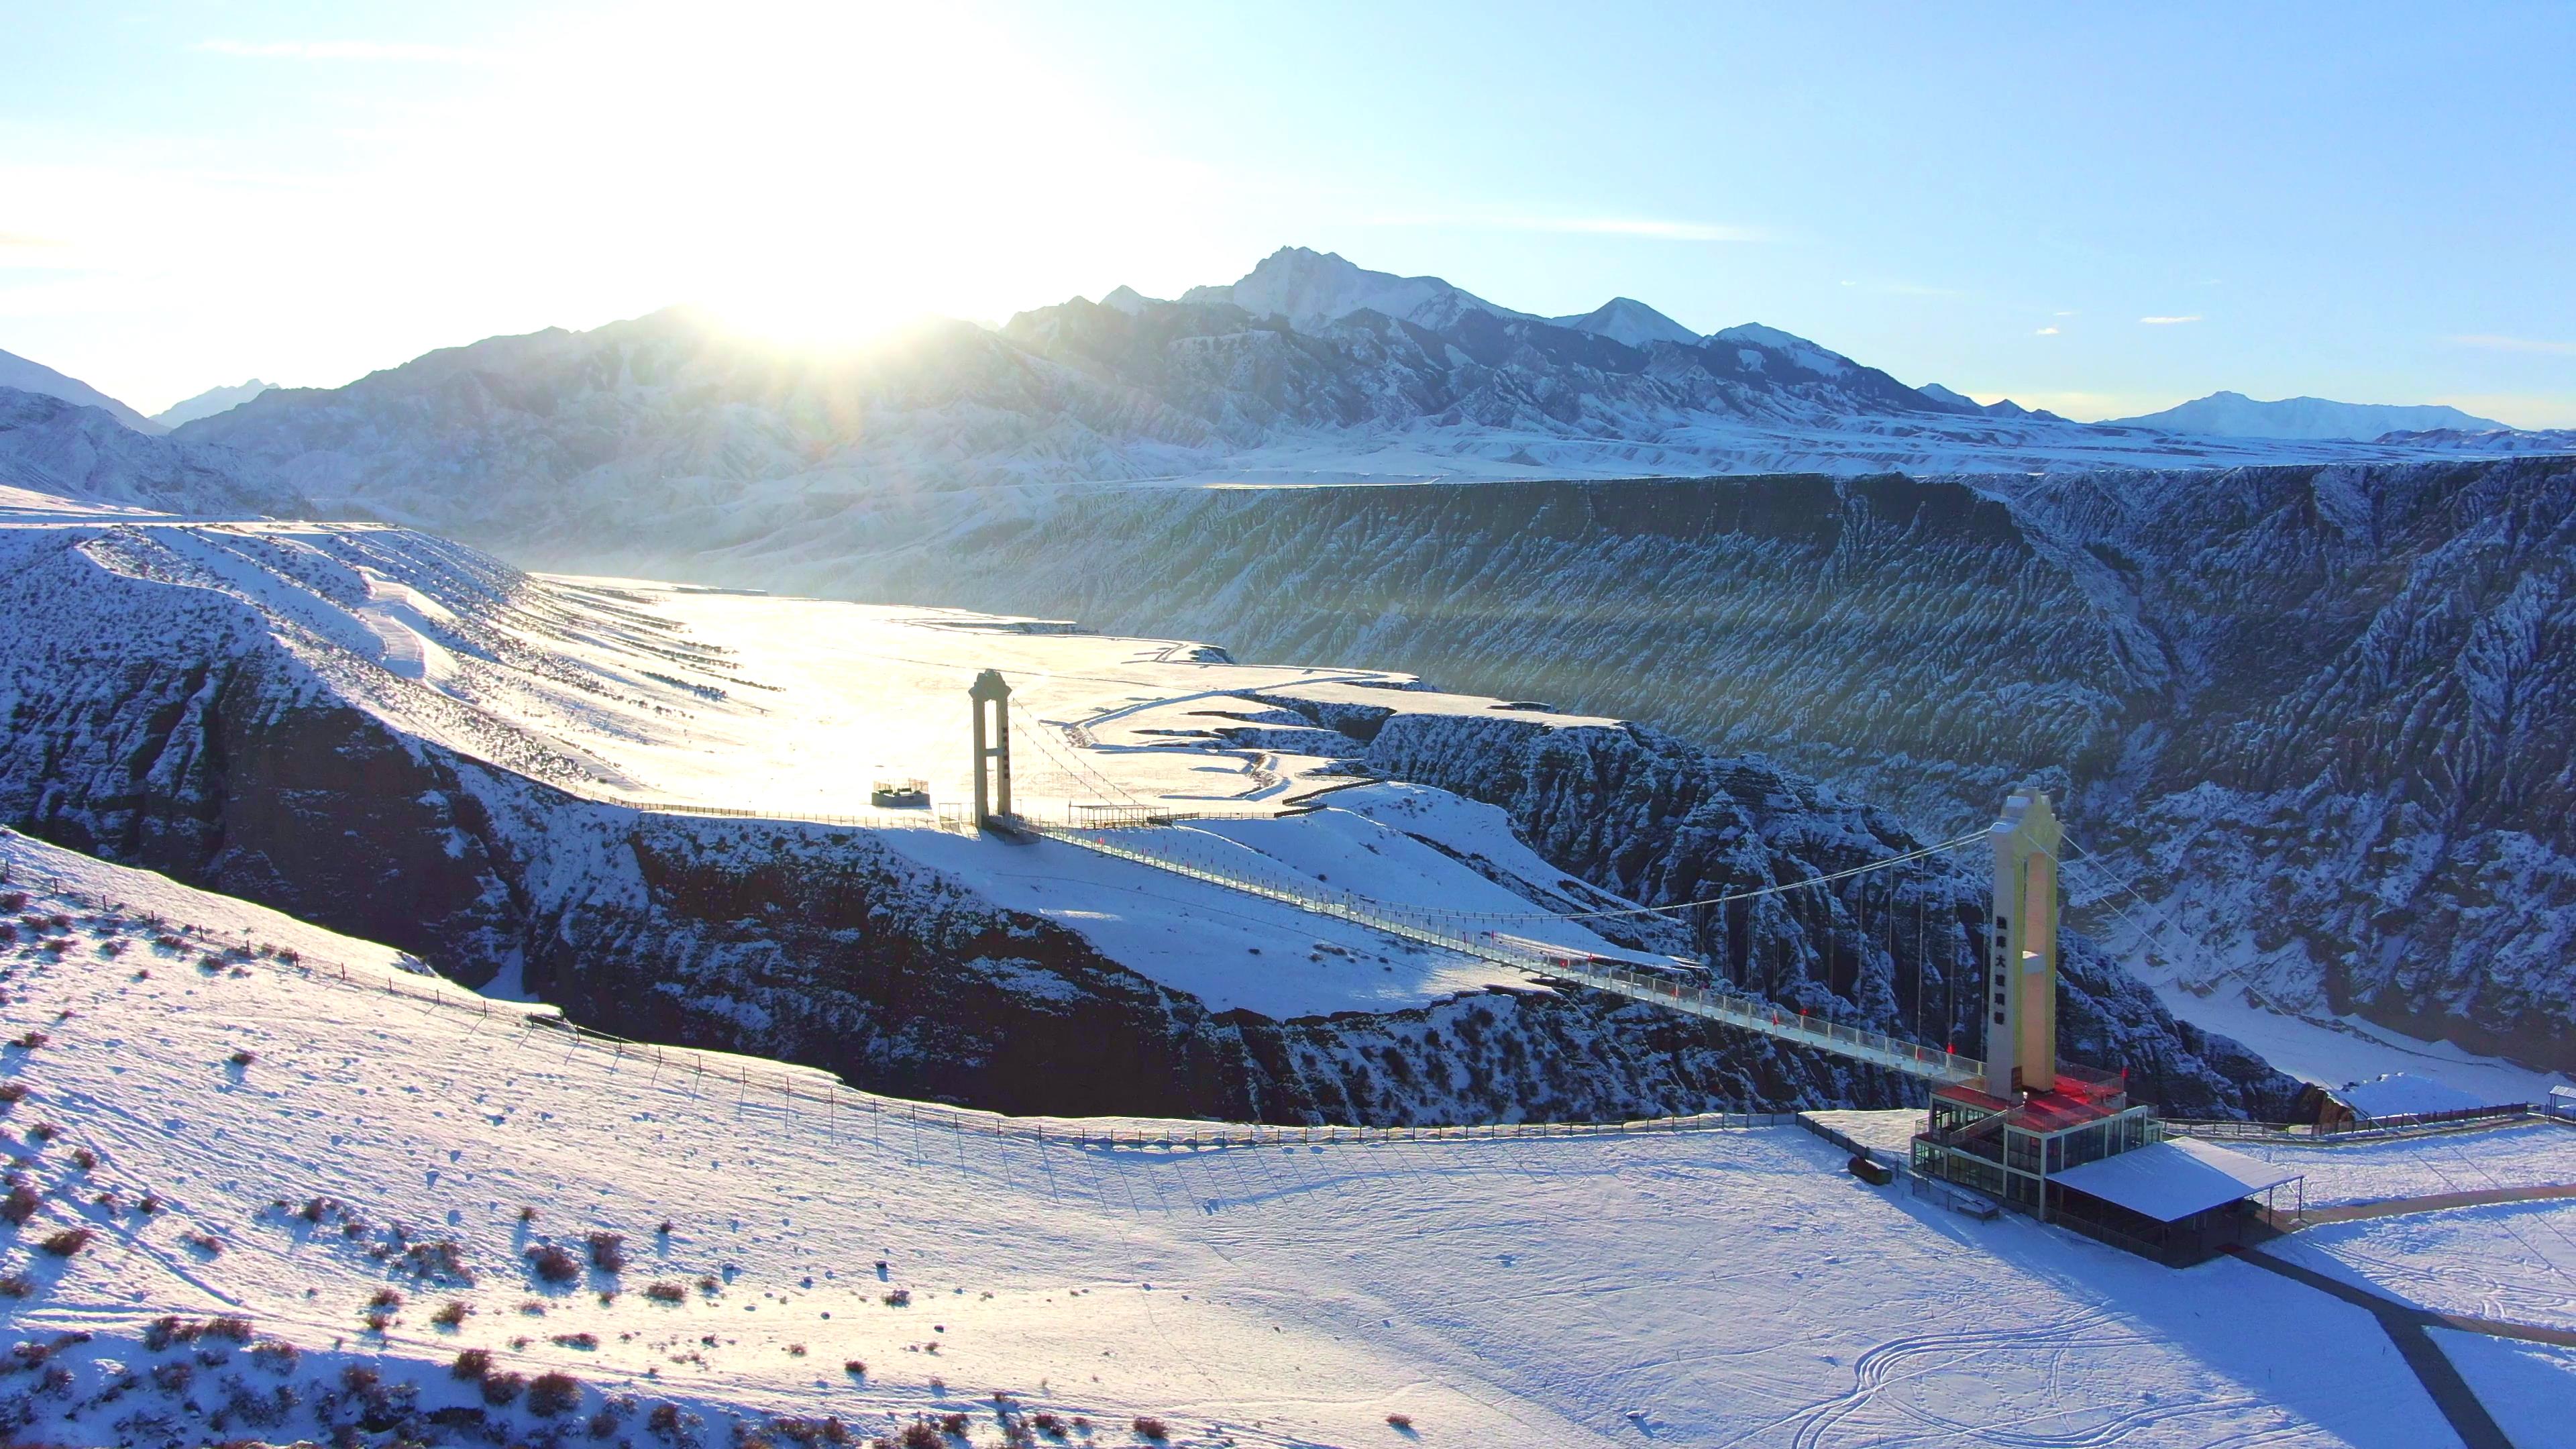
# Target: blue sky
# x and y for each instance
(2361, 202)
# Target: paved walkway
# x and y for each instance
(2435, 1202)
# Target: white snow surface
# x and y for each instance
(2511, 1261)
(2526, 1387)
(662, 696)
(1708, 1288)
(2341, 1050)
(2532, 1154)
(2395, 1094)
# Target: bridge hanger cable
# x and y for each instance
(1075, 768)
(1770, 890)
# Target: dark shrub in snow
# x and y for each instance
(1152, 1428)
(473, 1363)
(68, 1241)
(501, 1388)
(549, 1394)
(608, 1252)
(553, 1264)
(666, 1293)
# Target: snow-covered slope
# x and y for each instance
(404, 739)
(68, 455)
(328, 1193)
(24, 376)
(2234, 415)
(210, 402)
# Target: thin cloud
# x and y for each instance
(1647, 227)
(2169, 321)
(2045, 332)
(2515, 344)
(344, 50)
(1704, 231)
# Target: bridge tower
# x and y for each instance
(2021, 977)
(992, 749)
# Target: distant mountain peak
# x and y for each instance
(1805, 353)
(1627, 321)
(26, 376)
(1314, 289)
(2234, 415)
(1127, 300)
(210, 402)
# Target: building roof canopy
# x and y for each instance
(2175, 1178)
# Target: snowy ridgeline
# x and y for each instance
(561, 446)
(254, 1202)
(404, 739)
(2313, 714)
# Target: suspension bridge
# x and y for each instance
(1160, 835)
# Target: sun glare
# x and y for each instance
(817, 175)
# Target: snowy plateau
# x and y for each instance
(308, 1183)
(467, 978)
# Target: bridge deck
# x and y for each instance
(1743, 1012)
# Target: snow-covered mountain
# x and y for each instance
(53, 450)
(511, 776)
(577, 448)
(1629, 321)
(2234, 415)
(1999, 408)
(25, 376)
(210, 402)
(1313, 290)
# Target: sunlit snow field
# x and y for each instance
(1707, 1288)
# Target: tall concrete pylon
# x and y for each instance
(993, 748)
(2021, 979)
